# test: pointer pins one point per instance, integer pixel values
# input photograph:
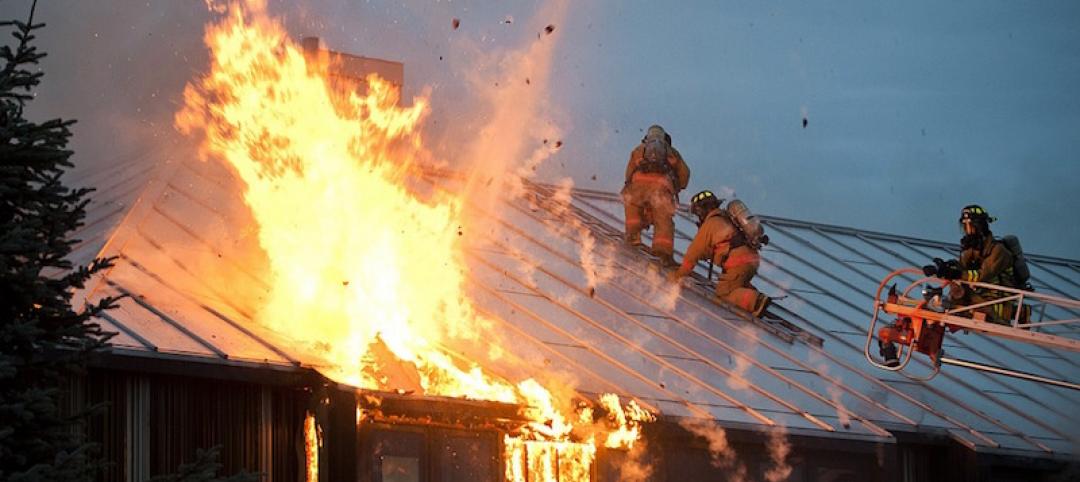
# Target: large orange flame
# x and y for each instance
(354, 255)
(360, 266)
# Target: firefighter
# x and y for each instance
(720, 239)
(983, 259)
(654, 176)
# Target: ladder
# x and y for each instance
(924, 317)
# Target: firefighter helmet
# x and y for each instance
(974, 220)
(702, 203)
(655, 132)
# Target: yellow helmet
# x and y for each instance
(702, 203)
(975, 220)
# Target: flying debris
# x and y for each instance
(456, 22)
(805, 121)
(550, 28)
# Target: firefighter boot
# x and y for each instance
(761, 304)
(889, 353)
(667, 261)
(633, 239)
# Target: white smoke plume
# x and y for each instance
(635, 467)
(841, 411)
(596, 272)
(748, 344)
(779, 448)
(721, 454)
(527, 264)
(737, 380)
(833, 389)
(519, 131)
(664, 294)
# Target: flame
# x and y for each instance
(356, 259)
(628, 421)
(364, 273)
(312, 442)
(535, 461)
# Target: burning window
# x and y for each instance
(412, 453)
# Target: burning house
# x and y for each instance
(433, 336)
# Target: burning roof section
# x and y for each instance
(553, 275)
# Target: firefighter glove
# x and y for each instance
(949, 270)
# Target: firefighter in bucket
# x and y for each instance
(983, 259)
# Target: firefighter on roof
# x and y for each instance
(983, 259)
(731, 238)
(654, 176)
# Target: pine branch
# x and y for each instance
(44, 341)
(204, 468)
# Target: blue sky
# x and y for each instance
(915, 109)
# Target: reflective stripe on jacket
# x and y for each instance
(991, 263)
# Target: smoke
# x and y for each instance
(841, 411)
(527, 265)
(566, 223)
(119, 69)
(777, 445)
(661, 292)
(737, 380)
(516, 130)
(833, 389)
(635, 467)
(779, 448)
(721, 454)
(748, 345)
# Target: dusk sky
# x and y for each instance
(914, 109)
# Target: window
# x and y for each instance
(409, 453)
(466, 456)
(397, 456)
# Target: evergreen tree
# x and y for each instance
(204, 469)
(44, 341)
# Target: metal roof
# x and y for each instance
(682, 355)
(116, 188)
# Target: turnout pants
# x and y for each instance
(734, 286)
(649, 199)
(1000, 313)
